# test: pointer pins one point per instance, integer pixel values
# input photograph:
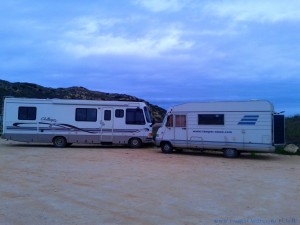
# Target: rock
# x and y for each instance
(291, 148)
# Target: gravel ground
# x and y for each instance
(40, 184)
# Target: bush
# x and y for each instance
(280, 150)
(292, 129)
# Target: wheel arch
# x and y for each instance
(166, 141)
(231, 152)
(132, 145)
(63, 138)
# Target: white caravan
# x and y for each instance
(64, 122)
(231, 127)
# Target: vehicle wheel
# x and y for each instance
(135, 143)
(230, 153)
(166, 147)
(59, 142)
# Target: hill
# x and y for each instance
(30, 90)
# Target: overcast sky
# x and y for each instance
(164, 51)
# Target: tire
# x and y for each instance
(59, 142)
(166, 148)
(230, 153)
(135, 143)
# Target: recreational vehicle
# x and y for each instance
(64, 122)
(232, 127)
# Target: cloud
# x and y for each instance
(94, 37)
(257, 11)
(162, 5)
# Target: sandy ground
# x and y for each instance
(40, 184)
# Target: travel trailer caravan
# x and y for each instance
(232, 127)
(64, 122)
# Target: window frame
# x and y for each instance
(119, 113)
(180, 120)
(135, 121)
(86, 117)
(27, 114)
(107, 115)
(211, 119)
(170, 121)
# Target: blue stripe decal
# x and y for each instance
(249, 120)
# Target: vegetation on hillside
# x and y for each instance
(292, 129)
(29, 90)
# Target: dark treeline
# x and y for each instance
(292, 127)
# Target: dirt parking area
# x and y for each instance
(40, 184)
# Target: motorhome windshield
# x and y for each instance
(147, 114)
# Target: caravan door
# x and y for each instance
(279, 129)
(106, 124)
(180, 134)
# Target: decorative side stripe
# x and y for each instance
(67, 128)
(249, 120)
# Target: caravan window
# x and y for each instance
(135, 116)
(211, 119)
(107, 115)
(86, 114)
(119, 113)
(180, 121)
(27, 113)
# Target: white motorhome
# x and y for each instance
(232, 127)
(64, 122)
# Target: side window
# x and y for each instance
(119, 113)
(169, 121)
(86, 114)
(27, 113)
(135, 116)
(180, 121)
(210, 119)
(107, 115)
(148, 115)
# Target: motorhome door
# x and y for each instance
(180, 130)
(106, 125)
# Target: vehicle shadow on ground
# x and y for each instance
(73, 146)
(218, 154)
(185, 153)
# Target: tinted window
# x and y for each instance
(147, 113)
(211, 119)
(107, 115)
(27, 113)
(119, 113)
(135, 116)
(169, 121)
(83, 114)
